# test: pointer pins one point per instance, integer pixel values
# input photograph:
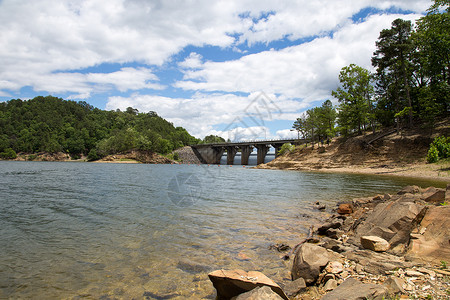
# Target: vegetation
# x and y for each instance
(50, 124)
(439, 148)
(411, 85)
(213, 139)
(285, 148)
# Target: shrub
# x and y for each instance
(8, 154)
(439, 148)
(433, 154)
(286, 148)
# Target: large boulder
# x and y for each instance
(392, 221)
(309, 262)
(432, 243)
(231, 283)
(352, 289)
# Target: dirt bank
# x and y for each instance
(401, 154)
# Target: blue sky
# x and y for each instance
(240, 69)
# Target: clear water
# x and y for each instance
(86, 230)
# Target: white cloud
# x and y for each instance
(43, 37)
(286, 134)
(308, 71)
(193, 61)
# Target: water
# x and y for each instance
(86, 230)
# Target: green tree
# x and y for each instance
(355, 98)
(393, 62)
(212, 139)
(432, 39)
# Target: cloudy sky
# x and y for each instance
(242, 69)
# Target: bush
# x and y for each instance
(439, 148)
(8, 154)
(433, 154)
(286, 148)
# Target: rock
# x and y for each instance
(395, 219)
(259, 293)
(434, 195)
(376, 263)
(352, 289)
(345, 209)
(192, 267)
(231, 283)
(330, 285)
(334, 267)
(434, 244)
(325, 227)
(280, 247)
(292, 288)
(394, 285)
(412, 189)
(374, 243)
(309, 262)
(412, 273)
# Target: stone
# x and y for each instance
(376, 263)
(192, 267)
(231, 283)
(434, 244)
(374, 243)
(330, 285)
(309, 262)
(411, 189)
(345, 209)
(395, 219)
(394, 285)
(292, 288)
(259, 293)
(334, 267)
(325, 227)
(352, 289)
(412, 273)
(434, 195)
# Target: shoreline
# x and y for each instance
(416, 171)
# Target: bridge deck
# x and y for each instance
(249, 143)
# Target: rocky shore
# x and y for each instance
(382, 247)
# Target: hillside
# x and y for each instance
(53, 125)
(395, 154)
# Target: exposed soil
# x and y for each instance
(402, 154)
(137, 157)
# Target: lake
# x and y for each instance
(91, 230)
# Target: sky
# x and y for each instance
(242, 69)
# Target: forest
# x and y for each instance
(50, 124)
(410, 86)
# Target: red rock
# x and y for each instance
(345, 209)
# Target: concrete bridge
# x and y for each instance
(212, 153)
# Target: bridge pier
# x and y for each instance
(209, 155)
(262, 151)
(277, 147)
(231, 153)
(245, 154)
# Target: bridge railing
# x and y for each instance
(257, 141)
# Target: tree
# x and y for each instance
(213, 139)
(432, 39)
(392, 59)
(355, 98)
(326, 117)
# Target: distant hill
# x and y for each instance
(50, 124)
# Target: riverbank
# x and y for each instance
(381, 247)
(132, 156)
(394, 155)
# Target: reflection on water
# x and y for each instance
(91, 230)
